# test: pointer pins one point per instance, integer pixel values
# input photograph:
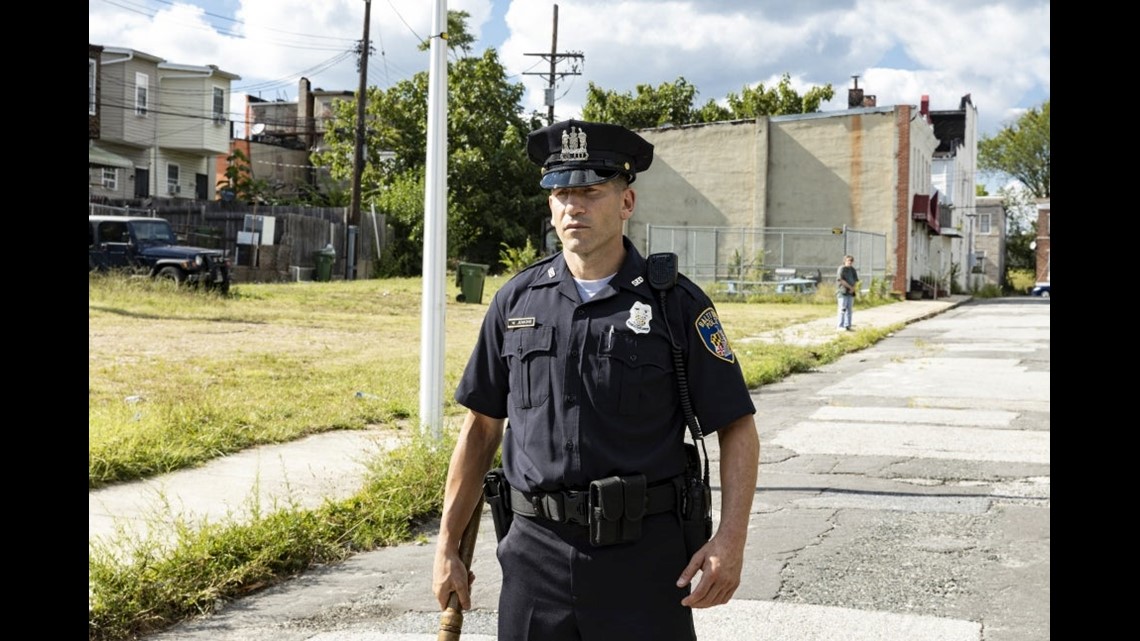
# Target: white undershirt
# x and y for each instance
(587, 289)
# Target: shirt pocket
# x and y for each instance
(529, 354)
(641, 369)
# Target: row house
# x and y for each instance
(156, 127)
(280, 137)
(986, 241)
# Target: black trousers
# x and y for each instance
(558, 587)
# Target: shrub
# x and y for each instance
(515, 259)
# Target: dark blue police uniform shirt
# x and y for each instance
(588, 388)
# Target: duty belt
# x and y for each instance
(570, 506)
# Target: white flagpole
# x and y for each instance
(435, 231)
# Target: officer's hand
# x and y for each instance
(449, 575)
(720, 565)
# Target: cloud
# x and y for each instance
(995, 50)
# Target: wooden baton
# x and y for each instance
(451, 620)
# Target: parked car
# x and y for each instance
(1040, 289)
(149, 247)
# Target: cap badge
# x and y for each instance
(574, 145)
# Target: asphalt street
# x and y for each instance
(903, 495)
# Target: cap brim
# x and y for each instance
(575, 178)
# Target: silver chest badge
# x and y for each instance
(639, 316)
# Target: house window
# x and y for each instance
(172, 174)
(219, 106)
(979, 262)
(142, 88)
(984, 223)
(91, 86)
(111, 178)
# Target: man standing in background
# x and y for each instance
(845, 279)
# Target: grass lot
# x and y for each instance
(179, 377)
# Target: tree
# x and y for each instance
(493, 191)
(673, 103)
(457, 36)
(1020, 227)
(651, 107)
(777, 101)
(1021, 151)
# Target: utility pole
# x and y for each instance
(358, 159)
(554, 58)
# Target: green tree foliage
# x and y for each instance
(493, 191)
(1020, 228)
(1021, 151)
(754, 102)
(672, 102)
(457, 36)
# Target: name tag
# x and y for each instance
(516, 323)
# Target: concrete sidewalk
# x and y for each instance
(822, 330)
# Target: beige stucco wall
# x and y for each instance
(833, 170)
(702, 176)
(811, 171)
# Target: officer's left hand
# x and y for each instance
(720, 563)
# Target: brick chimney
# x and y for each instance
(855, 97)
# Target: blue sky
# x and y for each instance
(996, 51)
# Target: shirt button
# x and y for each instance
(570, 398)
(633, 357)
(569, 446)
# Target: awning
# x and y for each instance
(99, 156)
(925, 208)
(920, 209)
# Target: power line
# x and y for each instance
(292, 43)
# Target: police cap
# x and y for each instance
(576, 153)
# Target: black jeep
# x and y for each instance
(149, 247)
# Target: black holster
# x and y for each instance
(617, 505)
(695, 503)
(498, 494)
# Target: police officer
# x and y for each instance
(573, 374)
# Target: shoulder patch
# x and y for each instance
(713, 336)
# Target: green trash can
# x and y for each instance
(324, 259)
(469, 277)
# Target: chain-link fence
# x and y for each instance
(714, 254)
